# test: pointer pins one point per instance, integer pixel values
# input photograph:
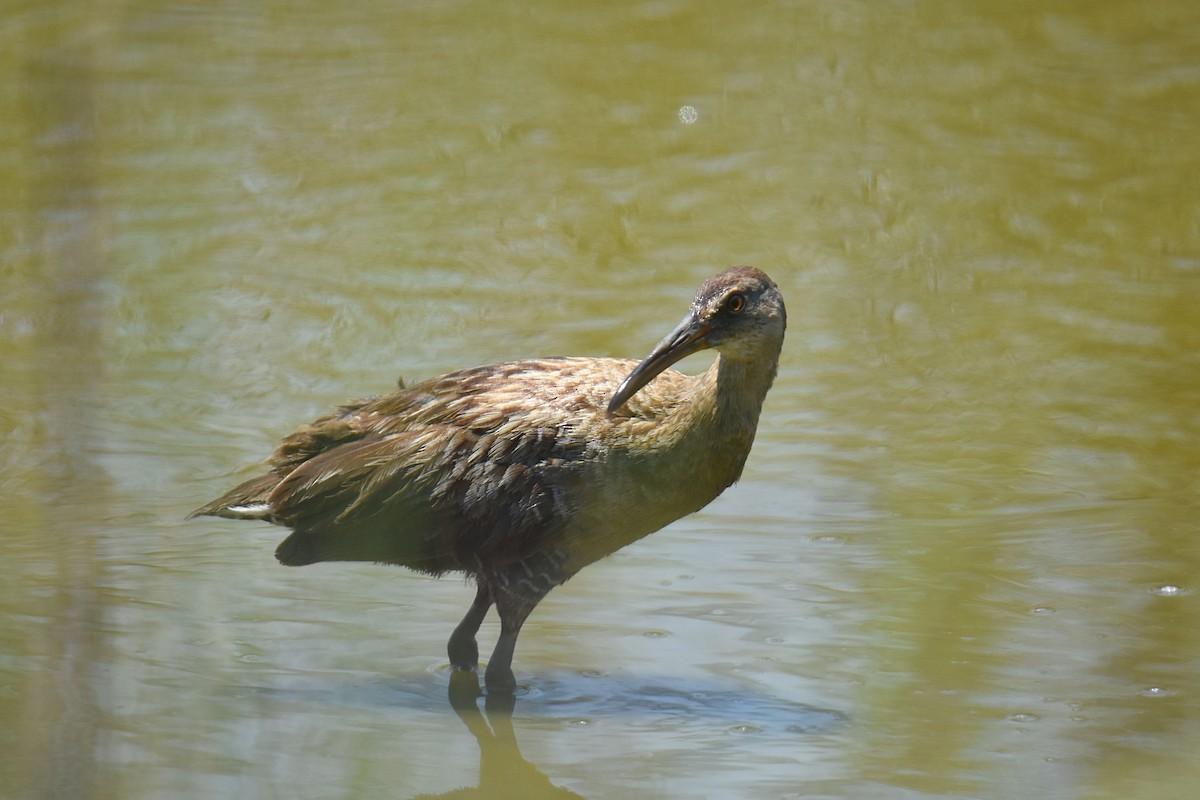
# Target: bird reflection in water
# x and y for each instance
(503, 771)
(521, 474)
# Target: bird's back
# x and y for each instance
(481, 466)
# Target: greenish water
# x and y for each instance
(962, 559)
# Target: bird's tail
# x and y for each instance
(246, 501)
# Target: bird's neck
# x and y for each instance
(679, 461)
(737, 388)
(714, 425)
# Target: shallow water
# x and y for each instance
(962, 559)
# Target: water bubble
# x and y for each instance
(1156, 691)
(1042, 610)
(745, 729)
(655, 634)
(1023, 716)
(688, 115)
(1168, 590)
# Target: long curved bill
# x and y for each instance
(690, 336)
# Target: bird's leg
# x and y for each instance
(513, 609)
(516, 590)
(462, 649)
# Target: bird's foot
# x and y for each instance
(500, 678)
(463, 652)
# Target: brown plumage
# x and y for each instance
(520, 474)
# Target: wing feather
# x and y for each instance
(478, 464)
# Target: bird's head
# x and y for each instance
(739, 312)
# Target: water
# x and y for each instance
(961, 561)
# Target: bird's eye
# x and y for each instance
(735, 303)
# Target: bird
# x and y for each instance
(520, 474)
